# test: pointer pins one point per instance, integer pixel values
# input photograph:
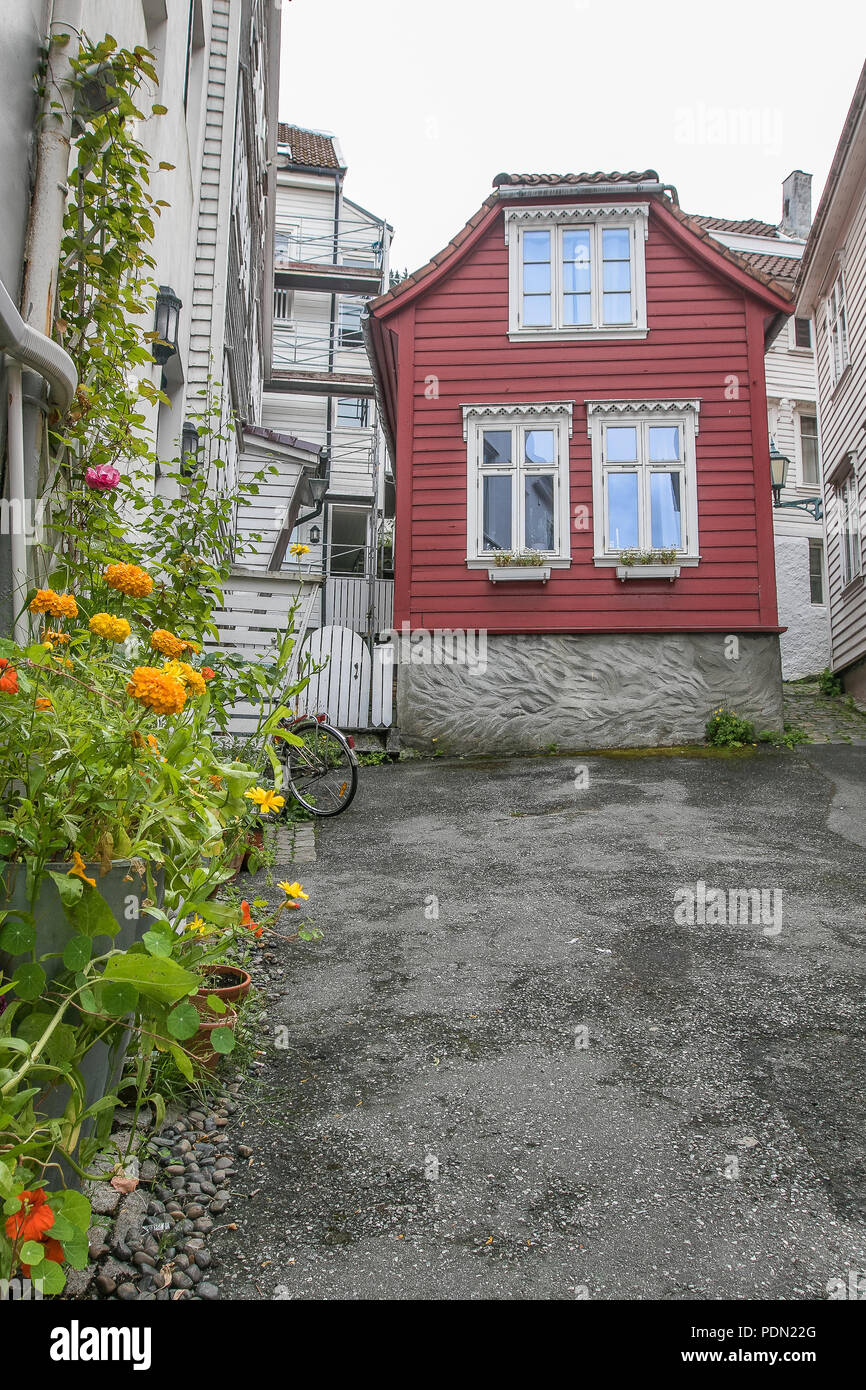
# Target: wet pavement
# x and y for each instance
(532, 1058)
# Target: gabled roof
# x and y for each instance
(766, 276)
(746, 226)
(310, 149)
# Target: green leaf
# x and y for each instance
(77, 952)
(69, 888)
(16, 937)
(63, 1228)
(218, 1005)
(157, 943)
(118, 998)
(182, 1061)
(183, 1022)
(222, 1040)
(92, 915)
(75, 1249)
(162, 980)
(51, 1278)
(29, 982)
(74, 1205)
(32, 1253)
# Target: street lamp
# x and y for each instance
(778, 471)
(168, 308)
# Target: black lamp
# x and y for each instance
(168, 308)
(188, 449)
(315, 535)
(778, 471)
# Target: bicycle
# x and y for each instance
(322, 771)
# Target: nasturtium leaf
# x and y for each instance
(75, 1249)
(157, 943)
(92, 915)
(183, 1022)
(87, 1000)
(75, 1206)
(222, 1040)
(29, 982)
(63, 1228)
(16, 937)
(7, 844)
(182, 1061)
(118, 998)
(32, 1253)
(51, 1278)
(77, 952)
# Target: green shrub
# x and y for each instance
(725, 729)
(828, 684)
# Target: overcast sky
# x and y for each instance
(431, 100)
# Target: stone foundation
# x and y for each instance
(527, 692)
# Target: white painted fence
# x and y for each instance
(360, 604)
(354, 689)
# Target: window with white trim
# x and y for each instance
(816, 571)
(517, 480)
(644, 478)
(848, 505)
(837, 330)
(810, 465)
(577, 272)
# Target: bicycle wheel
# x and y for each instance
(321, 773)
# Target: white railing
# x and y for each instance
(311, 240)
(363, 605)
(314, 347)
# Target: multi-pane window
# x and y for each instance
(849, 527)
(353, 412)
(518, 483)
(577, 276)
(644, 478)
(350, 331)
(837, 331)
(809, 458)
(802, 333)
(816, 571)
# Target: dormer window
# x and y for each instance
(577, 272)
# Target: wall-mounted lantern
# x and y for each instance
(778, 471)
(315, 535)
(166, 318)
(189, 443)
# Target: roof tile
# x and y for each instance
(310, 148)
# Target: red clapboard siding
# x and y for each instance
(705, 329)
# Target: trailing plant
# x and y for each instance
(520, 558)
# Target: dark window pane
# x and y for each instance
(496, 447)
(803, 333)
(496, 513)
(816, 571)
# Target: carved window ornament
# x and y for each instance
(577, 272)
(517, 485)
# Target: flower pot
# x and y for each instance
(235, 986)
(200, 1045)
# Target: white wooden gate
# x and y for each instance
(353, 688)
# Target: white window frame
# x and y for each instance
(810, 410)
(793, 345)
(848, 508)
(631, 216)
(536, 415)
(837, 330)
(682, 413)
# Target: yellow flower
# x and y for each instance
(109, 628)
(161, 691)
(293, 890)
(198, 926)
(58, 605)
(78, 869)
(299, 550)
(129, 579)
(167, 643)
(188, 675)
(265, 800)
(153, 743)
(52, 635)
(43, 702)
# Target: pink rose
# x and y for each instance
(103, 478)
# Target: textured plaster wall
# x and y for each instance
(806, 645)
(604, 691)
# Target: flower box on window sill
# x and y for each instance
(670, 572)
(536, 572)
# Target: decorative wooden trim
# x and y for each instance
(585, 212)
(645, 407)
(542, 409)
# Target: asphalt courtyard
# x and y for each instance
(531, 1058)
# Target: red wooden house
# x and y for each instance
(573, 392)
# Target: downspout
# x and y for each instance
(26, 347)
(329, 417)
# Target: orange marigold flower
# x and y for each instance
(190, 677)
(44, 703)
(161, 691)
(32, 1219)
(192, 647)
(129, 579)
(163, 641)
(51, 634)
(58, 605)
(109, 628)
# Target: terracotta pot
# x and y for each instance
(200, 1045)
(236, 986)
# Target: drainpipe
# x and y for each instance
(26, 347)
